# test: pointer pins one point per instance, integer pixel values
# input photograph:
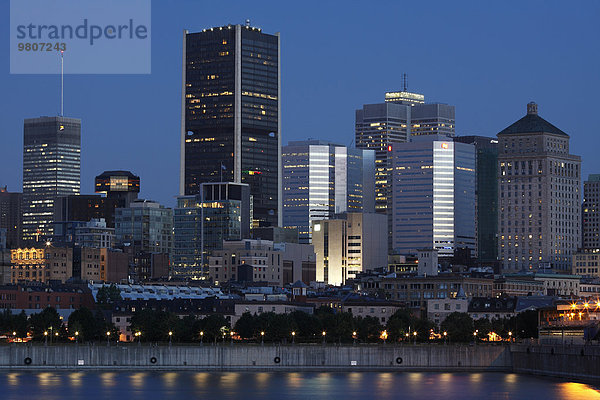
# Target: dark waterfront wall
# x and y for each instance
(256, 357)
(569, 361)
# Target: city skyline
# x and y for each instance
(487, 80)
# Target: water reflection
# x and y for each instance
(262, 380)
(137, 380)
(47, 379)
(294, 380)
(75, 379)
(13, 379)
(108, 379)
(201, 379)
(572, 390)
(354, 380)
(170, 379)
(228, 380)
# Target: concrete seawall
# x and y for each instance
(258, 358)
(567, 362)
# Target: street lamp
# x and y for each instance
(262, 337)
(76, 336)
(293, 336)
(354, 337)
(510, 336)
(323, 333)
(415, 335)
(108, 338)
(231, 336)
(170, 337)
(445, 335)
(201, 336)
(475, 337)
(45, 338)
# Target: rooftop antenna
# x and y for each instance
(62, 83)
(405, 82)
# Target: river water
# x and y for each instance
(281, 385)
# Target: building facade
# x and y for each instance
(586, 262)
(486, 195)
(321, 179)
(41, 264)
(349, 244)
(10, 216)
(51, 168)
(145, 226)
(591, 212)
(122, 186)
(231, 115)
(538, 197)
(202, 222)
(433, 195)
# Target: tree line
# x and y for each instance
(325, 324)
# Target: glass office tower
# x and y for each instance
(433, 198)
(202, 222)
(321, 179)
(231, 120)
(51, 168)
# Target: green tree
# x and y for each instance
(246, 326)
(108, 294)
(459, 327)
(399, 324)
(368, 328)
(47, 320)
(214, 326)
(86, 324)
(483, 326)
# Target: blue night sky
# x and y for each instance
(487, 58)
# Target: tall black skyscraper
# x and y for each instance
(51, 168)
(231, 115)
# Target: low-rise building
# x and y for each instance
(277, 307)
(569, 322)
(518, 286)
(439, 309)
(492, 307)
(366, 307)
(417, 290)
(39, 296)
(41, 264)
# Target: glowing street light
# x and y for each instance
(45, 338)
(170, 337)
(76, 336)
(201, 336)
(108, 338)
(445, 336)
(293, 336)
(323, 334)
(262, 337)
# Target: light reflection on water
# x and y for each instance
(278, 385)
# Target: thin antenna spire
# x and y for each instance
(62, 84)
(405, 82)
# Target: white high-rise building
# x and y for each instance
(433, 196)
(539, 216)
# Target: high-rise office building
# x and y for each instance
(539, 195)
(486, 193)
(591, 212)
(51, 168)
(378, 126)
(123, 186)
(202, 222)
(321, 179)
(402, 116)
(231, 115)
(433, 198)
(10, 216)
